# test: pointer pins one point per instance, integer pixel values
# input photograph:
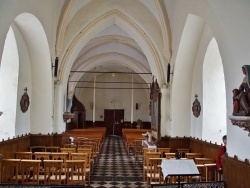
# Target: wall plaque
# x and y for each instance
(25, 101)
(196, 107)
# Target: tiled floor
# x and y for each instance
(116, 168)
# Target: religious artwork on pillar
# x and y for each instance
(196, 108)
(241, 96)
(155, 110)
(25, 102)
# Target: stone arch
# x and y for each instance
(41, 82)
(183, 74)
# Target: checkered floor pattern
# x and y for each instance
(116, 168)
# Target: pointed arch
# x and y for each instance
(110, 18)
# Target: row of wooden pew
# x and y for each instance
(130, 135)
(72, 161)
(28, 171)
(152, 161)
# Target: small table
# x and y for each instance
(185, 167)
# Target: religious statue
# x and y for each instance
(69, 101)
(241, 96)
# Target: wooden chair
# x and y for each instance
(95, 151)
(68, 150)
(201, 169)
(23, 155)
(163, 151)
(204, 171)
(53, 172)
(42, 156)
(76, 172)
(34, 149)
(146, 165)
(71, 145)
(89, 152)
(130, 144)
(154, 174)
(210, 171)
(183, 151)
(86, 157)
(12, 166)
(59, 156)
(170, 155)
(194, 155)
(52, 149)
(202, 160)
(30, 170)
(138, 150)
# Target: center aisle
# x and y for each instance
(116, 169)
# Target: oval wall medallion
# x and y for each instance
(25, 101)
(196, 107)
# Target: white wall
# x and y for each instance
(122, 97)
(228, 23)
(214, 95)
(8, 86)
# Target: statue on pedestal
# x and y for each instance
(241, 96)
(67, 114)
(69, 101)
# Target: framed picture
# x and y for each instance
(155, 110)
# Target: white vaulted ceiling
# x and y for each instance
(113, 36)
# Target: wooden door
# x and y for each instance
(113, 120)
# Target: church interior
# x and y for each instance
(100, 85)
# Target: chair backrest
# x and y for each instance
(71, 145)
(68, 150)
(146, 150)
(37, 149)
(170, 155)
(138, 147)
(85, 145)
(163, 151)
(76, 171)
(52, 149)
(155, 170)
(53, 172)
(203, 160)
(23, 155)
(152, 155)
(193, 155)
(42, 155)
(59, 156)
(12, 176)
(183, 151)
(86, 150)
(79, 156)
(30, 168)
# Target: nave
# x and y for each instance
(116, 168)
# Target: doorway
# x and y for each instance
(113, 120)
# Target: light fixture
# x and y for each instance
(113, 74)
